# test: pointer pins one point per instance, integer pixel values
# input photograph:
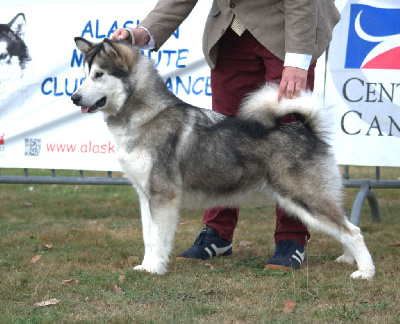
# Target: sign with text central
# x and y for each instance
(363, 83)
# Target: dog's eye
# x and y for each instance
(98, 75)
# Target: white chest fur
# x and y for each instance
(135, 162)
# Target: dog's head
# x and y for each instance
(108, 69)
(12, 43)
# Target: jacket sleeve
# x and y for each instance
(301, 26)
(166, 17)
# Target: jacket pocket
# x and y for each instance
(281, 5)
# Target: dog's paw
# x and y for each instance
(345, 258)
(139, 268)
(156, 270)
(363, 274)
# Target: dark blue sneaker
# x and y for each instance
(288, 255)
(207, 245)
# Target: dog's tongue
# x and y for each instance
(84, 110)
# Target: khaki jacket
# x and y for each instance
(296, 26)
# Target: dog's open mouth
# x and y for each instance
(100, 103)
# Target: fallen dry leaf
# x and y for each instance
(288, 306)
(118, 290)
(48, 246)
(210, 266)
(53, 301)
(121, 279)
(70, 282)
(28, 204)
(36, 258)
(244, 243)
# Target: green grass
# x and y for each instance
(96, 237)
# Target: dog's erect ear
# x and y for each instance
(109, 48)
(18, 24)
(83, 45)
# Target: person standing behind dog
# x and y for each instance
(246, 43)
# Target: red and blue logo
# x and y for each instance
(374, 38)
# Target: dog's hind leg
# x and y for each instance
(347, 256)
(159, 220)
(328, 218)
(356, 250)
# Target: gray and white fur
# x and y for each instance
(181, 156)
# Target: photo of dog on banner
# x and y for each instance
(266, 136)
(13, 49)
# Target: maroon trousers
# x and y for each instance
(243, 64)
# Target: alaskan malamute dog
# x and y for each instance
(181, 156)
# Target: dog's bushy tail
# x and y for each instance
(263, 106)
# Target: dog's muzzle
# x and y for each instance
(77, 99)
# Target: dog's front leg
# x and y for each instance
(159, 222)
(146, 231)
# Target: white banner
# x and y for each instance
(363, 82)
(40, 68)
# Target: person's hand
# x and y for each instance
(293, 80)
(140, 34)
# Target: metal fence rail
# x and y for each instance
(366, 187)
(54, 179)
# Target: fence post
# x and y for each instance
(365, 193)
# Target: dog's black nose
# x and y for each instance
(76, 98)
